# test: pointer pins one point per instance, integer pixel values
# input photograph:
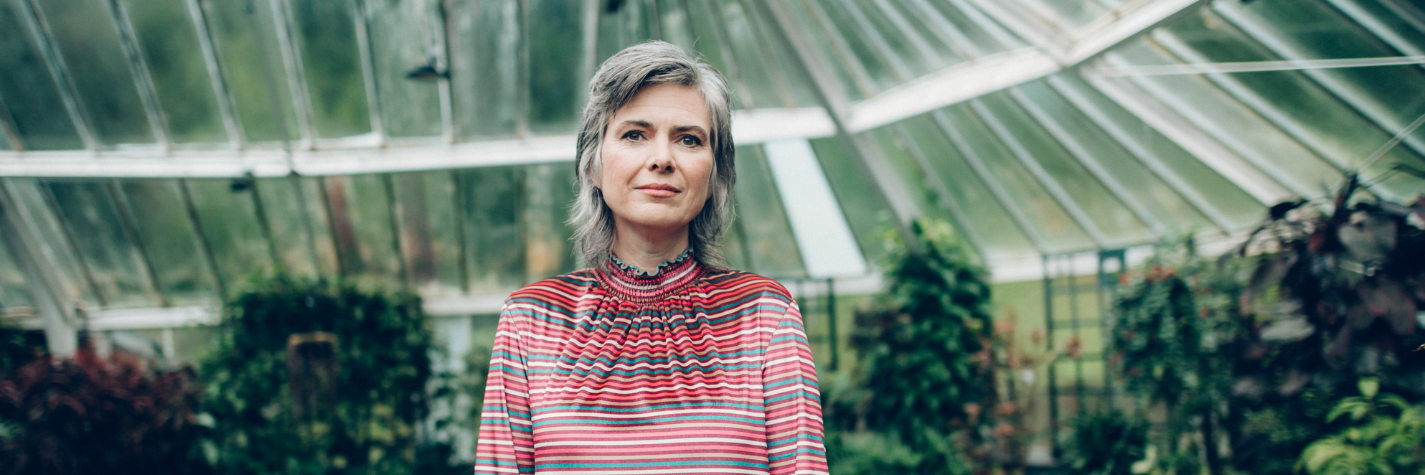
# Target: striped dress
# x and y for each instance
(689, 370)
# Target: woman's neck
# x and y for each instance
(648, 250)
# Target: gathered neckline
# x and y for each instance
(642, 286)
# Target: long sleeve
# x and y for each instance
(792, 400)
(506, 443)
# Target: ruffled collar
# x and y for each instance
(634, 284)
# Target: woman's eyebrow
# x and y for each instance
(693, 128)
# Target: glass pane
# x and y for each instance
(1233, 124)
(428, 230)
(172, 245)
(229, 221)
(856, 194)
(922, 31)
(87, 209)
(170, 46)
(326, 34)
(85, 34)
(14, 286)
(1045, 215)
(673, 23)
(874, 24)
(28, 90)
(361, 219)
(836, 21)
(404, 36)
(1104, 210)
(751, 63)
(1313, 30)
(283, 204)
(976, 35)
(1146, 189)
(483, 70)
(34, 212)
(1234, 203)
(314, 202)
(556, 38)
(493, 231)
(996, 231)
(550, 188)
(1309, 113)
(1066, 17)
(918, 186)
(771, 247)
(710, 36)
(245, 36)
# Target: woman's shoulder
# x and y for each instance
(741, 282)
(558, 291)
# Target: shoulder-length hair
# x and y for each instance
(614, 85)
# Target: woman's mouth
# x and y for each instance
(657, 190)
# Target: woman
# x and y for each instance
(656, 359)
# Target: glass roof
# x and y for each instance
(157, 153)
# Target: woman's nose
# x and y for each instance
(662, 160)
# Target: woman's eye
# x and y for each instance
(690, 141)
(633, 135)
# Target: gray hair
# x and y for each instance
(613, 86)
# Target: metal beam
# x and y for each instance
(216, 77)
(893, 193)
(878, 43)
(1095, 40)
(296, 75)
(1249, 66)
(1182, 106)
(138, 68)
(39, 29)
(1041, 175)
(1260, 105)
(1378, 27)
(448, 126)
(71, 242)
(209, 257)
(1189, 138)
(1145, 155)
(861, 78)
(749, 127)
(951, 86)
(1002, 196)
(523, 74)
(57, 318)
(942, 190)
(1087, 158)
(360, 16)
(1375, 113)
(130, 225)
(734, 71)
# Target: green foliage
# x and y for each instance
(370, 425)
(1385, 436)
(920, 351)
(14, 350)
(1107, 443)
(87, 415)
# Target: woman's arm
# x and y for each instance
(792, 400)
(506, 443)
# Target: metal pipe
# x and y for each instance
(216, 77)
(522, 70)
(68, 94)
(263, 223)
(462, 248)
(447, 99)
(138, 68)
(389, 186)
(46, 288)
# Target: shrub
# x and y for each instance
(356, 408)
(90, 415)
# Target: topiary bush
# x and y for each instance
(356, 413)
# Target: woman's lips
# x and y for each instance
(658, 191)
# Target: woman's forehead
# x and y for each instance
(665, 104)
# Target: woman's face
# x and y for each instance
(657, 159)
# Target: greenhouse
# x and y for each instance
(1076, 175)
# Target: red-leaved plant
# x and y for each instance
(88, 415)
